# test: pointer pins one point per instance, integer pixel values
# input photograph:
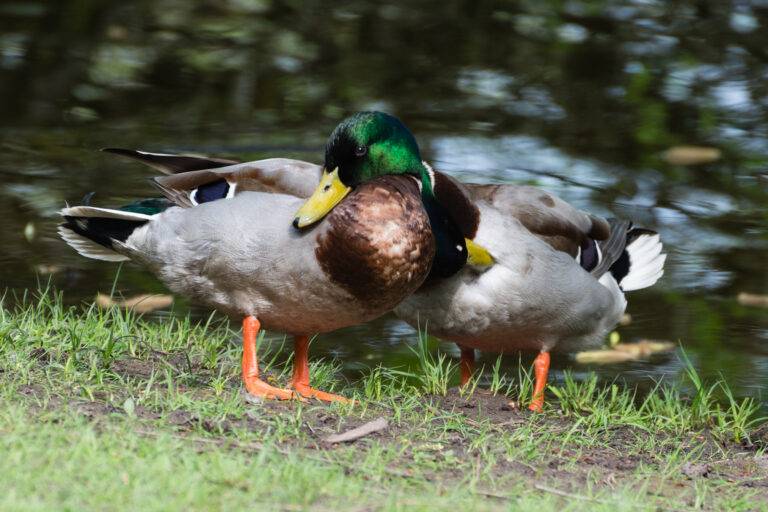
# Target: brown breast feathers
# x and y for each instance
(377, 243)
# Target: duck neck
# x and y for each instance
(450, 249)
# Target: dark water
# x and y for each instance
(584, 99)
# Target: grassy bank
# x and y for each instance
(103, 410)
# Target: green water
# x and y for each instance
(581, 98)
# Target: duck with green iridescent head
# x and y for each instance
(241, 239)
(544, 277)
(371, 144)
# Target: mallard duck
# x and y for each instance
(557, 281)
(546, 276)
(367, 237)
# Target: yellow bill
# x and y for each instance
(477, 255)
(327, 195)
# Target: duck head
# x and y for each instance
(372, 144)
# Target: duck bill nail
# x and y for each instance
(327, 195)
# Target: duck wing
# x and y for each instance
(193, 179)
(632, 255)
(564, 227)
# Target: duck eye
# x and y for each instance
(361, 150)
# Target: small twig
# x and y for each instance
(361, 431)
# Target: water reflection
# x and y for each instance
(585, 99)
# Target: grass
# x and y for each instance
(106, 410)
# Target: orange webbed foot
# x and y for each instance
(260, 389)
(255, 386)
(300, 380)
(307, 391)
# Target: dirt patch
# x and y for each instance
(482, 405)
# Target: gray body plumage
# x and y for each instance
(242, 256)
(212, 255)
(536, 296)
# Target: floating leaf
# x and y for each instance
(603, 356)
(624, 352)
(751, 299)
(691, 155)
(645, 348)
(143, 303)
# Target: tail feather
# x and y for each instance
(608, 250)
(87, 247)
(643, 263)
(632, 256)
(92, 231)
(103, 213)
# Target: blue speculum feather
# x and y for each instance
(589, 256)
(211, 191)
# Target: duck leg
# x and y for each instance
(540, 368)
(253, 383)
(300, 380)
(466, 363)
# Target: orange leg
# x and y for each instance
(466, 363)
(253, 384)
(300, 381)
(541, 368)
